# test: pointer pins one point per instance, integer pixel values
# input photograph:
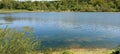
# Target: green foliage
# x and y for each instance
(15, 42)
(67, 52)
(117, 50)
(48, 51)
(64, 5)
(1, 5)
(19, 5)
(7, 4)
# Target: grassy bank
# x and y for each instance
(13, 11)
(90, 51)
(83, 51)
(16, 11)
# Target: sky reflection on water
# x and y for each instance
(69, 28)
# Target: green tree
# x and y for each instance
(7, 4)
(29, 5)
(118, 4)
(1, 5)
(19, 5)
(63, 5)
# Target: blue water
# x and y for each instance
(69, 29)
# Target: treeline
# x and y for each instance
(64, 5)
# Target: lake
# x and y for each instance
(69, 29)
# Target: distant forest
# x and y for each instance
(63, 5)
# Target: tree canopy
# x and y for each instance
(64, 5)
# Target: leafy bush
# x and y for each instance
(117, 50)
(67, 52)
(16, 42)
(48, 51)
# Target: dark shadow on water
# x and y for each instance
(8, 19)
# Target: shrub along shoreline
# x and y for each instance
(16, 42)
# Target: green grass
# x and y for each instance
(79, 51)
(22, 10)
(86, 51)
(12, 11)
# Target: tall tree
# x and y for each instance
(7, 4)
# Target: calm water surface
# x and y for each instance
(69, 29)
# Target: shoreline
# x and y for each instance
(84, 51)
(16, 11)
